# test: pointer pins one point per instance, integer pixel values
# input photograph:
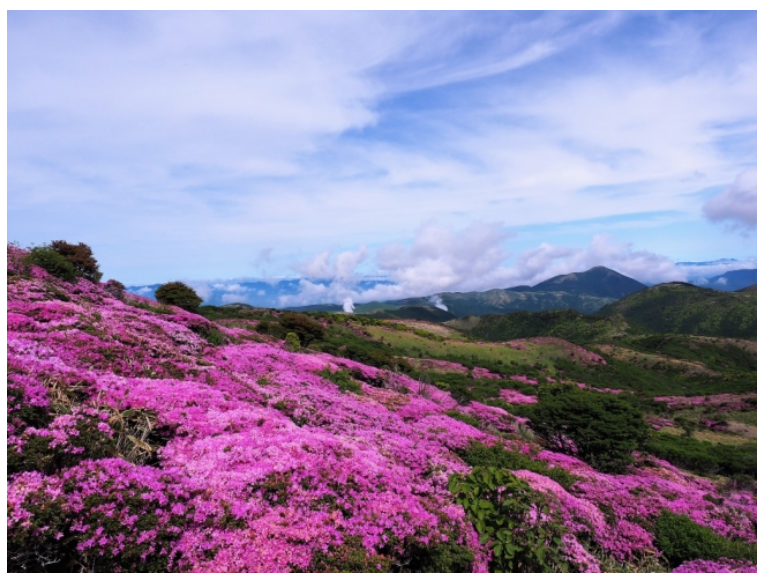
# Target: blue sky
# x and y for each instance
(448, 151)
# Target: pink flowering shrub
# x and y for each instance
(514, 397)
(145, 438)
(478, 372)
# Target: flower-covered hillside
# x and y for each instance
(145, 438)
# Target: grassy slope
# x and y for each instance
(566, 324)
(680, 308)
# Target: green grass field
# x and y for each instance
(460, 350)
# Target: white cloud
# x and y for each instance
(546, 261)
(202, 288)
(442, 259)
(701, 272)
(232, 298)
(737, 205)
(342, 267)
(348, 306)
(219, 136)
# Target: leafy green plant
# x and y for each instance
(176, 293)
(513, 520)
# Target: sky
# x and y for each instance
(439, 151)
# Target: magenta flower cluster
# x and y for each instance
(262, 465)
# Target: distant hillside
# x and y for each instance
(584, 292)
(732, 280)
(495, 301)
(597, 281)
(499, 301)
(682, 308)
(567, 324)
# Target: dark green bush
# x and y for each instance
(465, 418)
(51, 261)
(601, 429)
(446, 557)
(209, 332)
(479, 455)
(342, 378)
(681, 539)
(176, 293)
(302, 325)
(115, 288)
(349, 557)
(81, 258)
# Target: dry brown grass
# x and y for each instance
(651, 360)
(431, 327)
(744, 430)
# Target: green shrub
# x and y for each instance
(601, 429)
(176, 293)
(681, 539)
(306, 329)
(465, 418)
(115, 288)
(514, 520)
(349, 557)
(342, 378)
(292, 341)
(51, 261)
(81, 258)
(479, 455)
(209, 332)
(703, 457)
(445, 557)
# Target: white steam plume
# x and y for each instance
(436, 301)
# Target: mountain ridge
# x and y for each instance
(585, 292)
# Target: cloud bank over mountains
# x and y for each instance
(448, 259)
(442, 259)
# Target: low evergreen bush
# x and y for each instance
(680, 539)
(601, 429)
(50, 260)
(176, 293)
